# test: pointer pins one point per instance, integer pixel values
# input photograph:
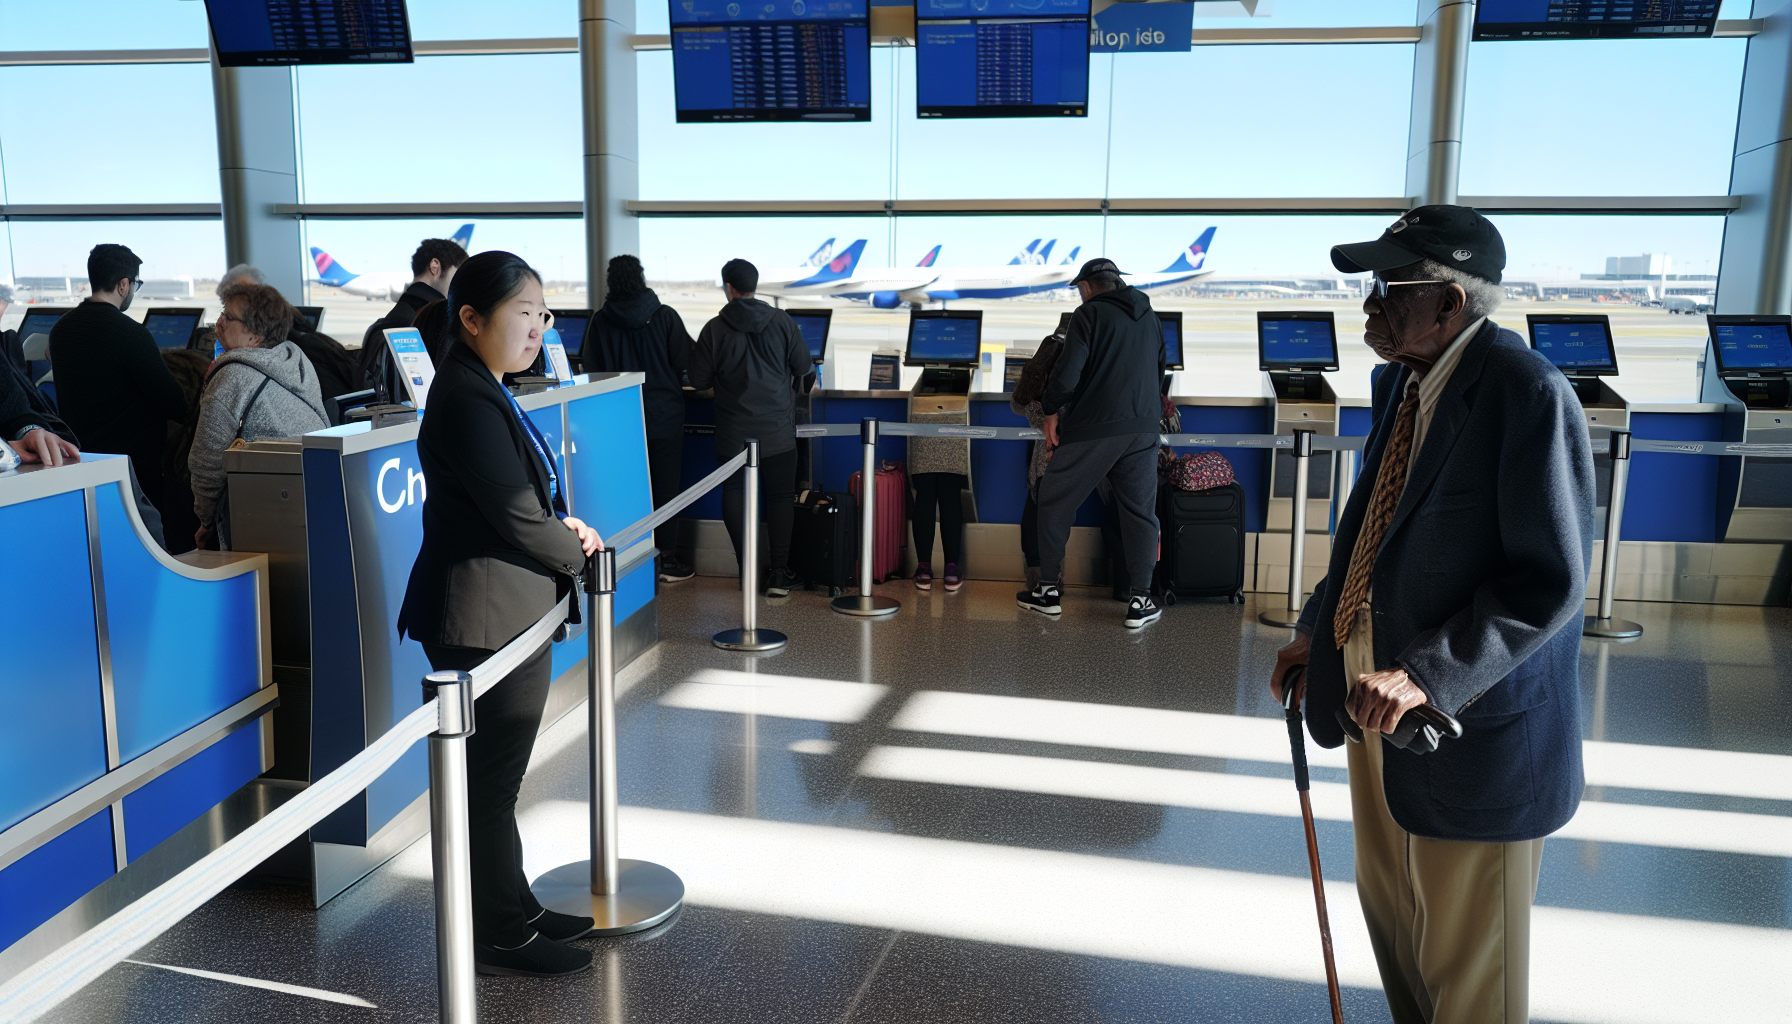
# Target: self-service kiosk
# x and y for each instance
(1294, 351)
(813, 324)
(1748, 367)
(946, 344)
(1580, 345)
(1172, 324)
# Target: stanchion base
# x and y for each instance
(1609, 629)
(866, 606)
(1285, 619)
(750, 640)
(649, 895)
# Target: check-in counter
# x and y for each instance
(135, 689)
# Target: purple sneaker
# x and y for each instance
(923, 577)
(953, 580)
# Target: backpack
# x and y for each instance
(1197, 471)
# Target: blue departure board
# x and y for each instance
(773, 60)
(1595, 19)
(1002, 58)
(1582, 347)
(944, 336)
(253, 33)
(1753, 346)
(1296, 342)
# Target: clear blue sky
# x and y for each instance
(1592, 119)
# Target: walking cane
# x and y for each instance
(1297, 745)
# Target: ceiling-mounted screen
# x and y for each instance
(253, 33)
(1595, 19)
(775, 60)
(1002, 58)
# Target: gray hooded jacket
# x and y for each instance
(290, 405)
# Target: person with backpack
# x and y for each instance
(261, 388)
(1025, 402)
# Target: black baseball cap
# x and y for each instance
(1095, 266)
(1454, 236)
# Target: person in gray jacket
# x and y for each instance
(262, 387)
(751, 354)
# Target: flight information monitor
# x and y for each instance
(172, 328)
(1595, 19)
(772, 60)
(1172, 339)
(1002, 58)
(253, 33)
(814, 325)
(1298, 342)
(1747, 344)
(944, 337)
(1580, 345)
(571, 324)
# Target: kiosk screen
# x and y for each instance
(315, 314)
(1172, 339)
(814, 325)
(1578, 346)
(252, 33)
(1752, 346)
(783, 60)
(1002, 58)
(171, 327)
(571, 324)
(1595, 19)
(39, 321)
(1296, 341)
(944, 336)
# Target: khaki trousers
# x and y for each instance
(1450, 922)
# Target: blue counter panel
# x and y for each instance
(38, 886)
(182, 649)
(1355, 421)
(699, 460)
(999, 468)
(1674, 497)
(337, 710)
(52, 732)
(1251, 468)
(838, 458)
(195, 786)
(609, 444)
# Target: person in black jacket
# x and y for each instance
(1101, 408)
(433, 266)
(752, 354)
(635, 332)
(498, 551)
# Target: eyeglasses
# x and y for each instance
(233, 319)
(1378, 286)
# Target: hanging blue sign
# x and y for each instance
(1142, 27)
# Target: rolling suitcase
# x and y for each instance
(891, 519)
(824, 540)
(1201, 553)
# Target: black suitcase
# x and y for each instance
(824, 540)
(1202, 554)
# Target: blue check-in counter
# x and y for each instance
(133, 699)
(363, 494)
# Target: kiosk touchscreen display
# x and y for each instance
(171, 327)
(777, 60)
(1002, 58)
(1296, 341)
(39, 321)
(944, 337)
(253, 34)
(1752, 346)
(571, 324)
(1578, 346)
(814, 325)
(315, 314)
(1172, 339)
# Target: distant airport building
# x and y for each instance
(168, 288)
(46, 285)
(1275, 288)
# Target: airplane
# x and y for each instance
(887, 289)
(1190, 264)
(375, 286)
(771, 280)
(1030, 271)
(820, 281)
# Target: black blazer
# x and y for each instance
(495, 557)
(1479, 590)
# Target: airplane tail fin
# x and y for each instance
(1068, 260)
(463, 237)
(839, 268)
(821, 256)
(328, 270)
(1025, 255)
(1045, 254)
(933, 254)
(1195, 256)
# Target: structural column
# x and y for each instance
(1439, 81)
(612, 164)
(258, 166)
(1754, 274)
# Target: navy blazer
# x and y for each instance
(1479, 589)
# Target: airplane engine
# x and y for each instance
(886, 300)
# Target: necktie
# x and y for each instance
(1389, 483)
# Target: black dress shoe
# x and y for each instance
(540, 957)
(562, 927)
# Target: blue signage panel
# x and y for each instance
(1143, 28)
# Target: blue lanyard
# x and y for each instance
(540, 443)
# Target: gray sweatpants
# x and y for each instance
(1129, 463)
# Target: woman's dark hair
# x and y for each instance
(625, 278)
(484, 282)
(432, 322)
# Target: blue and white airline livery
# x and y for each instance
(1190, 264)
(378, 285)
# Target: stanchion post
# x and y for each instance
(749, 637)
(1345, 462)
(450, 835)
(620, 895)
(865, 603)
(1297, 538)
(1603, 626)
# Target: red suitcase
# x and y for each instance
(891, 519)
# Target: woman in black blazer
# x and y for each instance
(498, 552)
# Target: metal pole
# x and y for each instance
(450, 834)
(1603, 626)
(1346, 482)
(1297, 539)
(749, 637)
(865, 603)
(620, 895)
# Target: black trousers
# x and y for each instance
(1029, 530)
(944, 491)
(665, 464)
(505, 722)
(777, 493)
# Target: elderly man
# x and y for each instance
(1457, 579)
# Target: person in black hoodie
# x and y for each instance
(752, 354)
(432, 268)
(634, 332)
(1101, 408)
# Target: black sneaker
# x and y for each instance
(782, 581)
(562, 927)
(1042, 599)
(538, 958)
(1142, 611)
(672, 570)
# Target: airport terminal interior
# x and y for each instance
(888, 789)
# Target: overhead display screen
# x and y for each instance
(171, 328)
(1576, 346)
(1296, 342)
(1766, 346)
(252, 33)
(943, 336)
(1002, 58)
(1594, 19)
(771, 60)
(814, 325)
